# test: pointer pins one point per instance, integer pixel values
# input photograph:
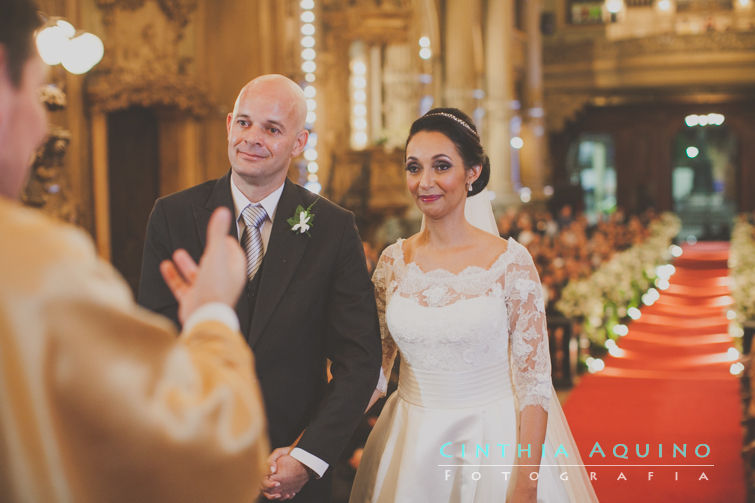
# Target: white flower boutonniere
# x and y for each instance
(302, 220)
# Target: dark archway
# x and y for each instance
(705, 160)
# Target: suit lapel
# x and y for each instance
(284, 251)
(221, 196)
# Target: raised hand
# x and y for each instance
(220, 276)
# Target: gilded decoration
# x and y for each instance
(563, 51)
(47, 187)
(563, 108)
(176, 10)
(143, 65)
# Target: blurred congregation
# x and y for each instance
(618, 131)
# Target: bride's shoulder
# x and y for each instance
(493, 244)
(392, 252)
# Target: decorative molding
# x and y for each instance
(563, 108)
(560, 51)
(107, 94)
(176, 10)
(143, 65)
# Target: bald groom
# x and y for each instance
(308, 298)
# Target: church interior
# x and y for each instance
(621, 139)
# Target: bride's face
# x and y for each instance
(435, 174)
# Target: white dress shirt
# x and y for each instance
(270, 203)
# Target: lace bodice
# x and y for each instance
(475, 319)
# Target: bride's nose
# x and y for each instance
(426, 179)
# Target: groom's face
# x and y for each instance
(264, 132)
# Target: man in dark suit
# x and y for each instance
(308, 298)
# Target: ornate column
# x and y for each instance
(461, 53)
(399, 88)
(499, 83)
(534, 152)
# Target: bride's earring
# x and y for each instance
(469, 186)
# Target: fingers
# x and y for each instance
(186, 265)
(268, 484)
(274, 456)
(220, 222)
(173, 279)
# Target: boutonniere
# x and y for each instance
(302, 220)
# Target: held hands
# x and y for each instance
(220, 275)
(286, 476)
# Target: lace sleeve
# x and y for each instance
(530, 359)
(381, 279)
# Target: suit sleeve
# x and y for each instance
(353, 346)
(154, 294)
(137, 413)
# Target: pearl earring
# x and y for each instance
(469, 186)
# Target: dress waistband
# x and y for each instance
(453, 389)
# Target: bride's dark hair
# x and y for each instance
(459, 128)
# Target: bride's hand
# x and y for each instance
(524, 492)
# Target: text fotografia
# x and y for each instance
(476, 475)
(622, 471)
(619, 451)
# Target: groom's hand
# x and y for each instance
(286, 477)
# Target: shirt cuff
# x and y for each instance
(311, 461)
(382, 384)
(213, 311)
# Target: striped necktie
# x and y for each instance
(251, 239)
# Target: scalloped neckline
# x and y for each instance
(445, 272)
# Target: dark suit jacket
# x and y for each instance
(315, 302)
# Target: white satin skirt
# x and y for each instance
(451, 437)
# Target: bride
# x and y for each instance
(475, 418)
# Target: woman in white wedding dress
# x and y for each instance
(475, 418)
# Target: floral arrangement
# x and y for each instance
(604, 298)
(742, 269)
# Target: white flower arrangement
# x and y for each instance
(742, 270)
(602, 299)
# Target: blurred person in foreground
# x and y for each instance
(99, 400)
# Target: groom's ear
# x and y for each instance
(300, 142)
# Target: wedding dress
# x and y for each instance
(474, 351)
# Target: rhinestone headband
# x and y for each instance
(453, 117)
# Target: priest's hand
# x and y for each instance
(221, 273)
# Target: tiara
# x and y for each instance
(453, 117)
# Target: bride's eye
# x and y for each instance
(442, 166)
(412, 167)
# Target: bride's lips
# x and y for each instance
(429, 199)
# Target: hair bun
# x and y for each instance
(483, 179)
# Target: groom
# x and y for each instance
(308, 297)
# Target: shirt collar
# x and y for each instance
(270, 203)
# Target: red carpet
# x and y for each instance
(671, 387)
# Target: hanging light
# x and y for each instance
(60, 43)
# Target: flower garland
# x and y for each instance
(742, 270)
(604, 298)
